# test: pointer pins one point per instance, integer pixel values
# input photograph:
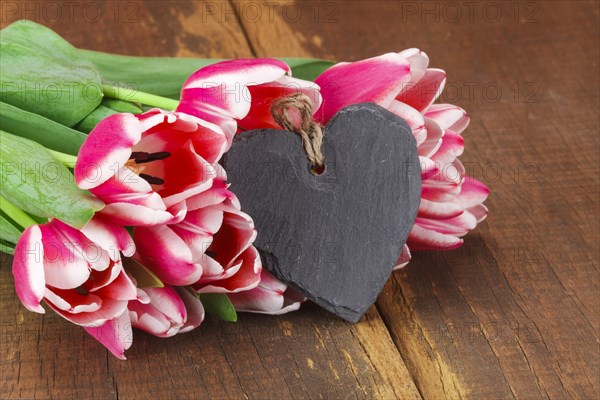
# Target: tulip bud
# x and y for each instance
(169, 311)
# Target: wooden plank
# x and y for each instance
(307, 354)
(138, 28)
(514, 313)
(44, 356)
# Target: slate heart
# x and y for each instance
(333, 237)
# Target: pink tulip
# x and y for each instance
(144, 166)
(78, 273)
(242, 90)
(116, 334)
(134, 163)
(270, 297)
(211, 248)
(167, 312)
(451, 202)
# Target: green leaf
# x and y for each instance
(92, 119)
(121, 106)
(165, 76)
(32, 180)
(8, 231)
(162, 76)
(5, 248)
(218, 304)
(143, 276)
(307, 68)
(106, 108)
(44, 74)
(46, 132)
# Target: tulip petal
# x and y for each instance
(448, 116)
(65, 263)
(194, 308)
(99, 279)
(247, 277)
(107, 146)
(109, 309)
(423, 239)
(219, 93)
(270, 297)
(135, 215)
(215, 195)
(452, 146)
(167, 301)
(418, 63)
(131, 201)
(72, 301)
(413, 118)
(473, 193)
(438, 210)
(167, 255)
(236, 234)
(439, 193)
(179, 128)
(148, 319)
(422, 94)
(127, 186)
(259, 116)
(377, 80)
(76, 246)
(429, 168)
(28, 269)
(142, 297)
(457, 226)
(116, 335)
(447, 181)
(434, 139)
(179, 186)
(404, 258)
(479, 212)
(121, 288)
(112, 238)
(198, 228)
(163, 316)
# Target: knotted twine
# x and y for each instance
(309, 130)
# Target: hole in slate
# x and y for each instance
(317, 169)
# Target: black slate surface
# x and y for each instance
(334, 237)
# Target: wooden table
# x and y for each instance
(513, 313)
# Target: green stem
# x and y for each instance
(135, 96)
(66, 159)
(16, 214)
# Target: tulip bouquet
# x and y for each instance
(113, 200)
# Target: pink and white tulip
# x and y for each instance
(451, 201)
(79, 275)
(237, 94)
(143, 166)
(211, 248)
(167, 312)
(271, 296)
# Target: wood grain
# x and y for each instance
(308, 354)
(514, 313)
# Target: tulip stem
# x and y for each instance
(135, 96)
(66, 159)
(16, 214)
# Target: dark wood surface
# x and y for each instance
(513, 313)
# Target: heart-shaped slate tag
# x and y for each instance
(333, 237)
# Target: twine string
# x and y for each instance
(309, 130)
